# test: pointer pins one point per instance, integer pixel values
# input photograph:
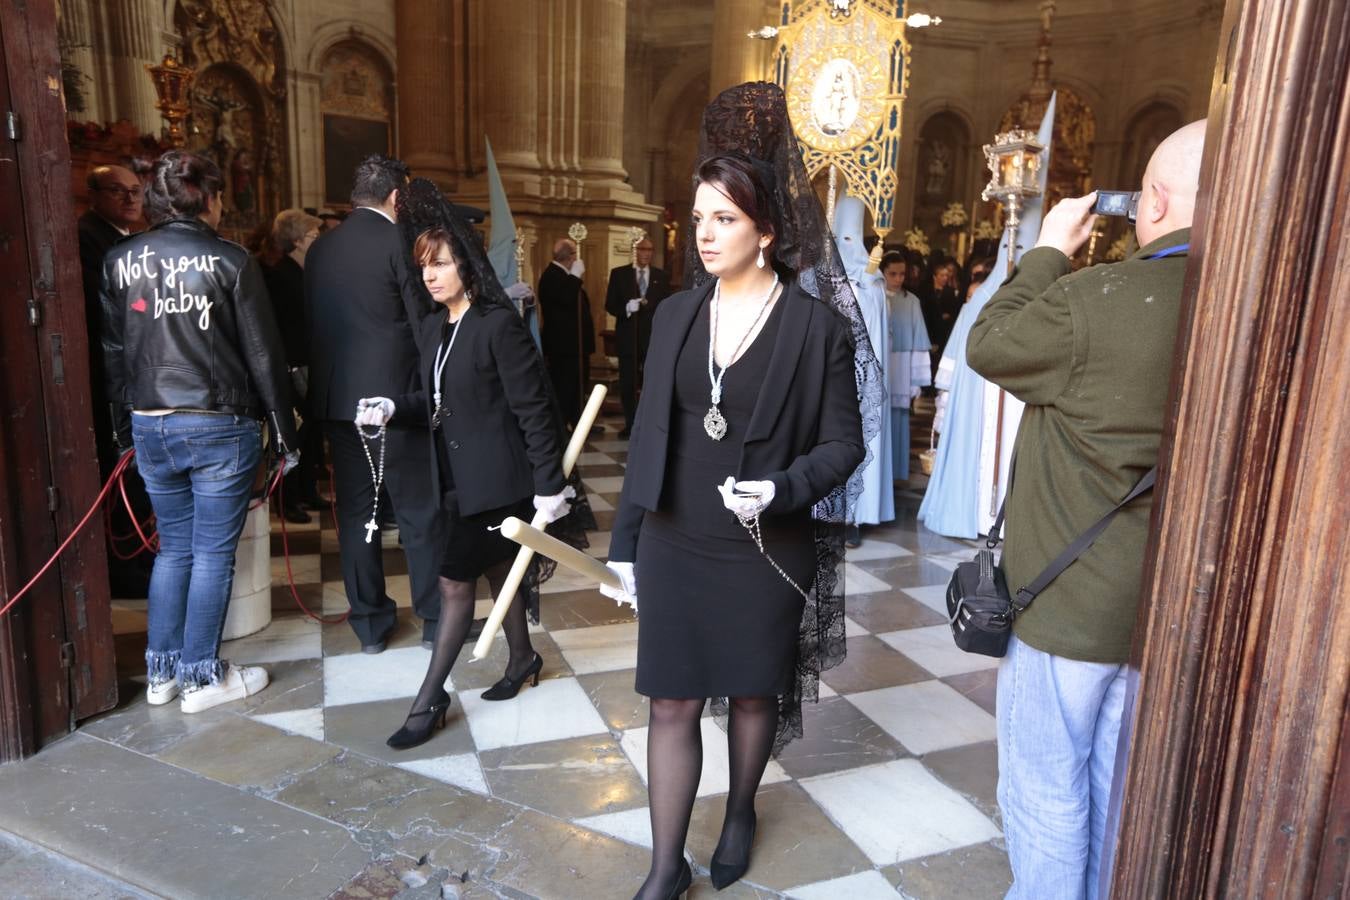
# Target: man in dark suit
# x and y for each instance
(363, 328)
(567, 332)
(632, 296)
(115, 198)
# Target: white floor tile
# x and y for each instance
(898, 811)
(304, 722)
(293, 637)
(595, 459)
(826, 691)
(859, 886)
(459, 769)
(926, 716)
(873, 549)
(608, 484)
(934, 649)
(716, 779)
(853, 629)
(933, 596)
(610, 446)
(598, 503)
(363, 677)
(601, 648)
(856, 581)
(633, 826)
(946, 562)
(558, 708)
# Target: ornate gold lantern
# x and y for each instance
(1015, 158)
(172, 82)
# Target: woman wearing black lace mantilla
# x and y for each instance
(498, 442)
(729, 527)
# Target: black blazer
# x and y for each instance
(805, 434)
(363, 326)
(502, 442)
(286, 286)
(622, 288)
(565, 308)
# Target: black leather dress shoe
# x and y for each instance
(379, 644)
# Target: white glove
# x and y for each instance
(940, 413)
(633, 306)
(629, 592)
(522, 293)
(290, 461)
(556, 506)
(746, 498)
(578, 268)
(374, 411)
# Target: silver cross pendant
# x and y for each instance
(371, 528)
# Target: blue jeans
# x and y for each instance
(1058, 722)
(198, 470)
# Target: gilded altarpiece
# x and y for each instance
(357, 102)
(844, 68)
(238, 104)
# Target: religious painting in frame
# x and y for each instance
(346, 141)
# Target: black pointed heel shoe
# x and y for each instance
(508, 687)
(726, 872)
(420, 726)
(680, 888)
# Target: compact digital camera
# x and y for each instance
(1117, 203)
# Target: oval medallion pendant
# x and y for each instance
(714, 424)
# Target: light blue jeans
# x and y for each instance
(1058, 722)
(198, 469)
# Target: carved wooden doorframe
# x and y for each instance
(1238, 783)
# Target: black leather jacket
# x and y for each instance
(187, 324)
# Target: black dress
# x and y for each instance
(715, 618)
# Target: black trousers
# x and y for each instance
(630, 379)
(421, 524)
(567, 374)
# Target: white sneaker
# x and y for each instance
(239, 682)
(159, 694)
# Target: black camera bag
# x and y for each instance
(980, 608)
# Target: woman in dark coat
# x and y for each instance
(749, 423)
(498, 441)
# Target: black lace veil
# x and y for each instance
(752, 120)
(422, 206)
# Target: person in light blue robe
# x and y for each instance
(502, 250)
(876, 504)
(910, 367)
(952, 502)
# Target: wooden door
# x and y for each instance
(1238, 782)
(56, 646)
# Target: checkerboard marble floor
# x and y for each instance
(890, 793)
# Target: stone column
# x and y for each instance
(601, 77)
(510, 70)
(737, 58)
(76, 30)
(133, 31)
(424, 33)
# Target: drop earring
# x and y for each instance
(759, 263)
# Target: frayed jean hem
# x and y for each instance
(200, 673)
(161, 665)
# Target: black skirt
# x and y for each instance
(715, 619)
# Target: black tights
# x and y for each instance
(674, 765)
(457, 601)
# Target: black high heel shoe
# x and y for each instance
(723, 873)
(681, 886)
(508, 687)
(427, 721)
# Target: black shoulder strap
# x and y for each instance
(1078, 547)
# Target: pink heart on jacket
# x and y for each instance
(138, 304)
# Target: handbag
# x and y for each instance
(980, 608)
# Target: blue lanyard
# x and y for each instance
(1170, 251)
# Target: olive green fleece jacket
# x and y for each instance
(1090, 353)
